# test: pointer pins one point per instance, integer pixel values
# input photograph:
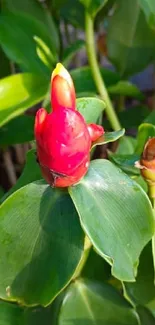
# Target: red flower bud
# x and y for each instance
(63, 137)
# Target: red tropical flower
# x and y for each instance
(63, 138)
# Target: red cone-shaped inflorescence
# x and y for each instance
(63, 137)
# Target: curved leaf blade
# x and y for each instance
(90, 303)
(41, 244)
(145, 131)
(148, 6)
(125, 44)
(108, 137)
(83, 79)
(91, 108)
(12, 314)
(17, 31)
(126, 88)
(8, 136)
(142, 291)
(117, 208)
(20, 92)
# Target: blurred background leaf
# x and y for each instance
(131, 45)
(93, 6)
(17, 32)
(20, 92)
(149, 9)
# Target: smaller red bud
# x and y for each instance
(95, 131)
(63, 91)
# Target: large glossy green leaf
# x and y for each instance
(12, 314)
(146, 317)
(90, 303)
(41, 244)
(93, 6)
(17, 32)
(143, 290)
(84, 82)
(19, 92)
(148, 7)
(145, 131)
(31, 173)
(12, 132)
(117, 208)
(91, 108)
(128, 37)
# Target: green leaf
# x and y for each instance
(41, 244)
(140, 180)
(96, 268)
(126, 145)
(30, 174)
(8, 136)
(145, 315)
(5, 66)
(31, 7)
(142, 291)
(12, 314)
(131, 46)
(145, 131)
(44, 53)
(91, 108)
(20, 92)
(90, 303)
(83, 79)
(36, 10)
(17, 31)
(126, 88)
(150, 118)
(148, 7)
(71, 50)
(112, 216)
(108, 137)
(1, 192)
(125, 162)
(132, 117)
(93, 6)
(72, 12)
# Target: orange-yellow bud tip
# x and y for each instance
(62, 72)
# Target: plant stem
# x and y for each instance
(87, 247)
(91, 52)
